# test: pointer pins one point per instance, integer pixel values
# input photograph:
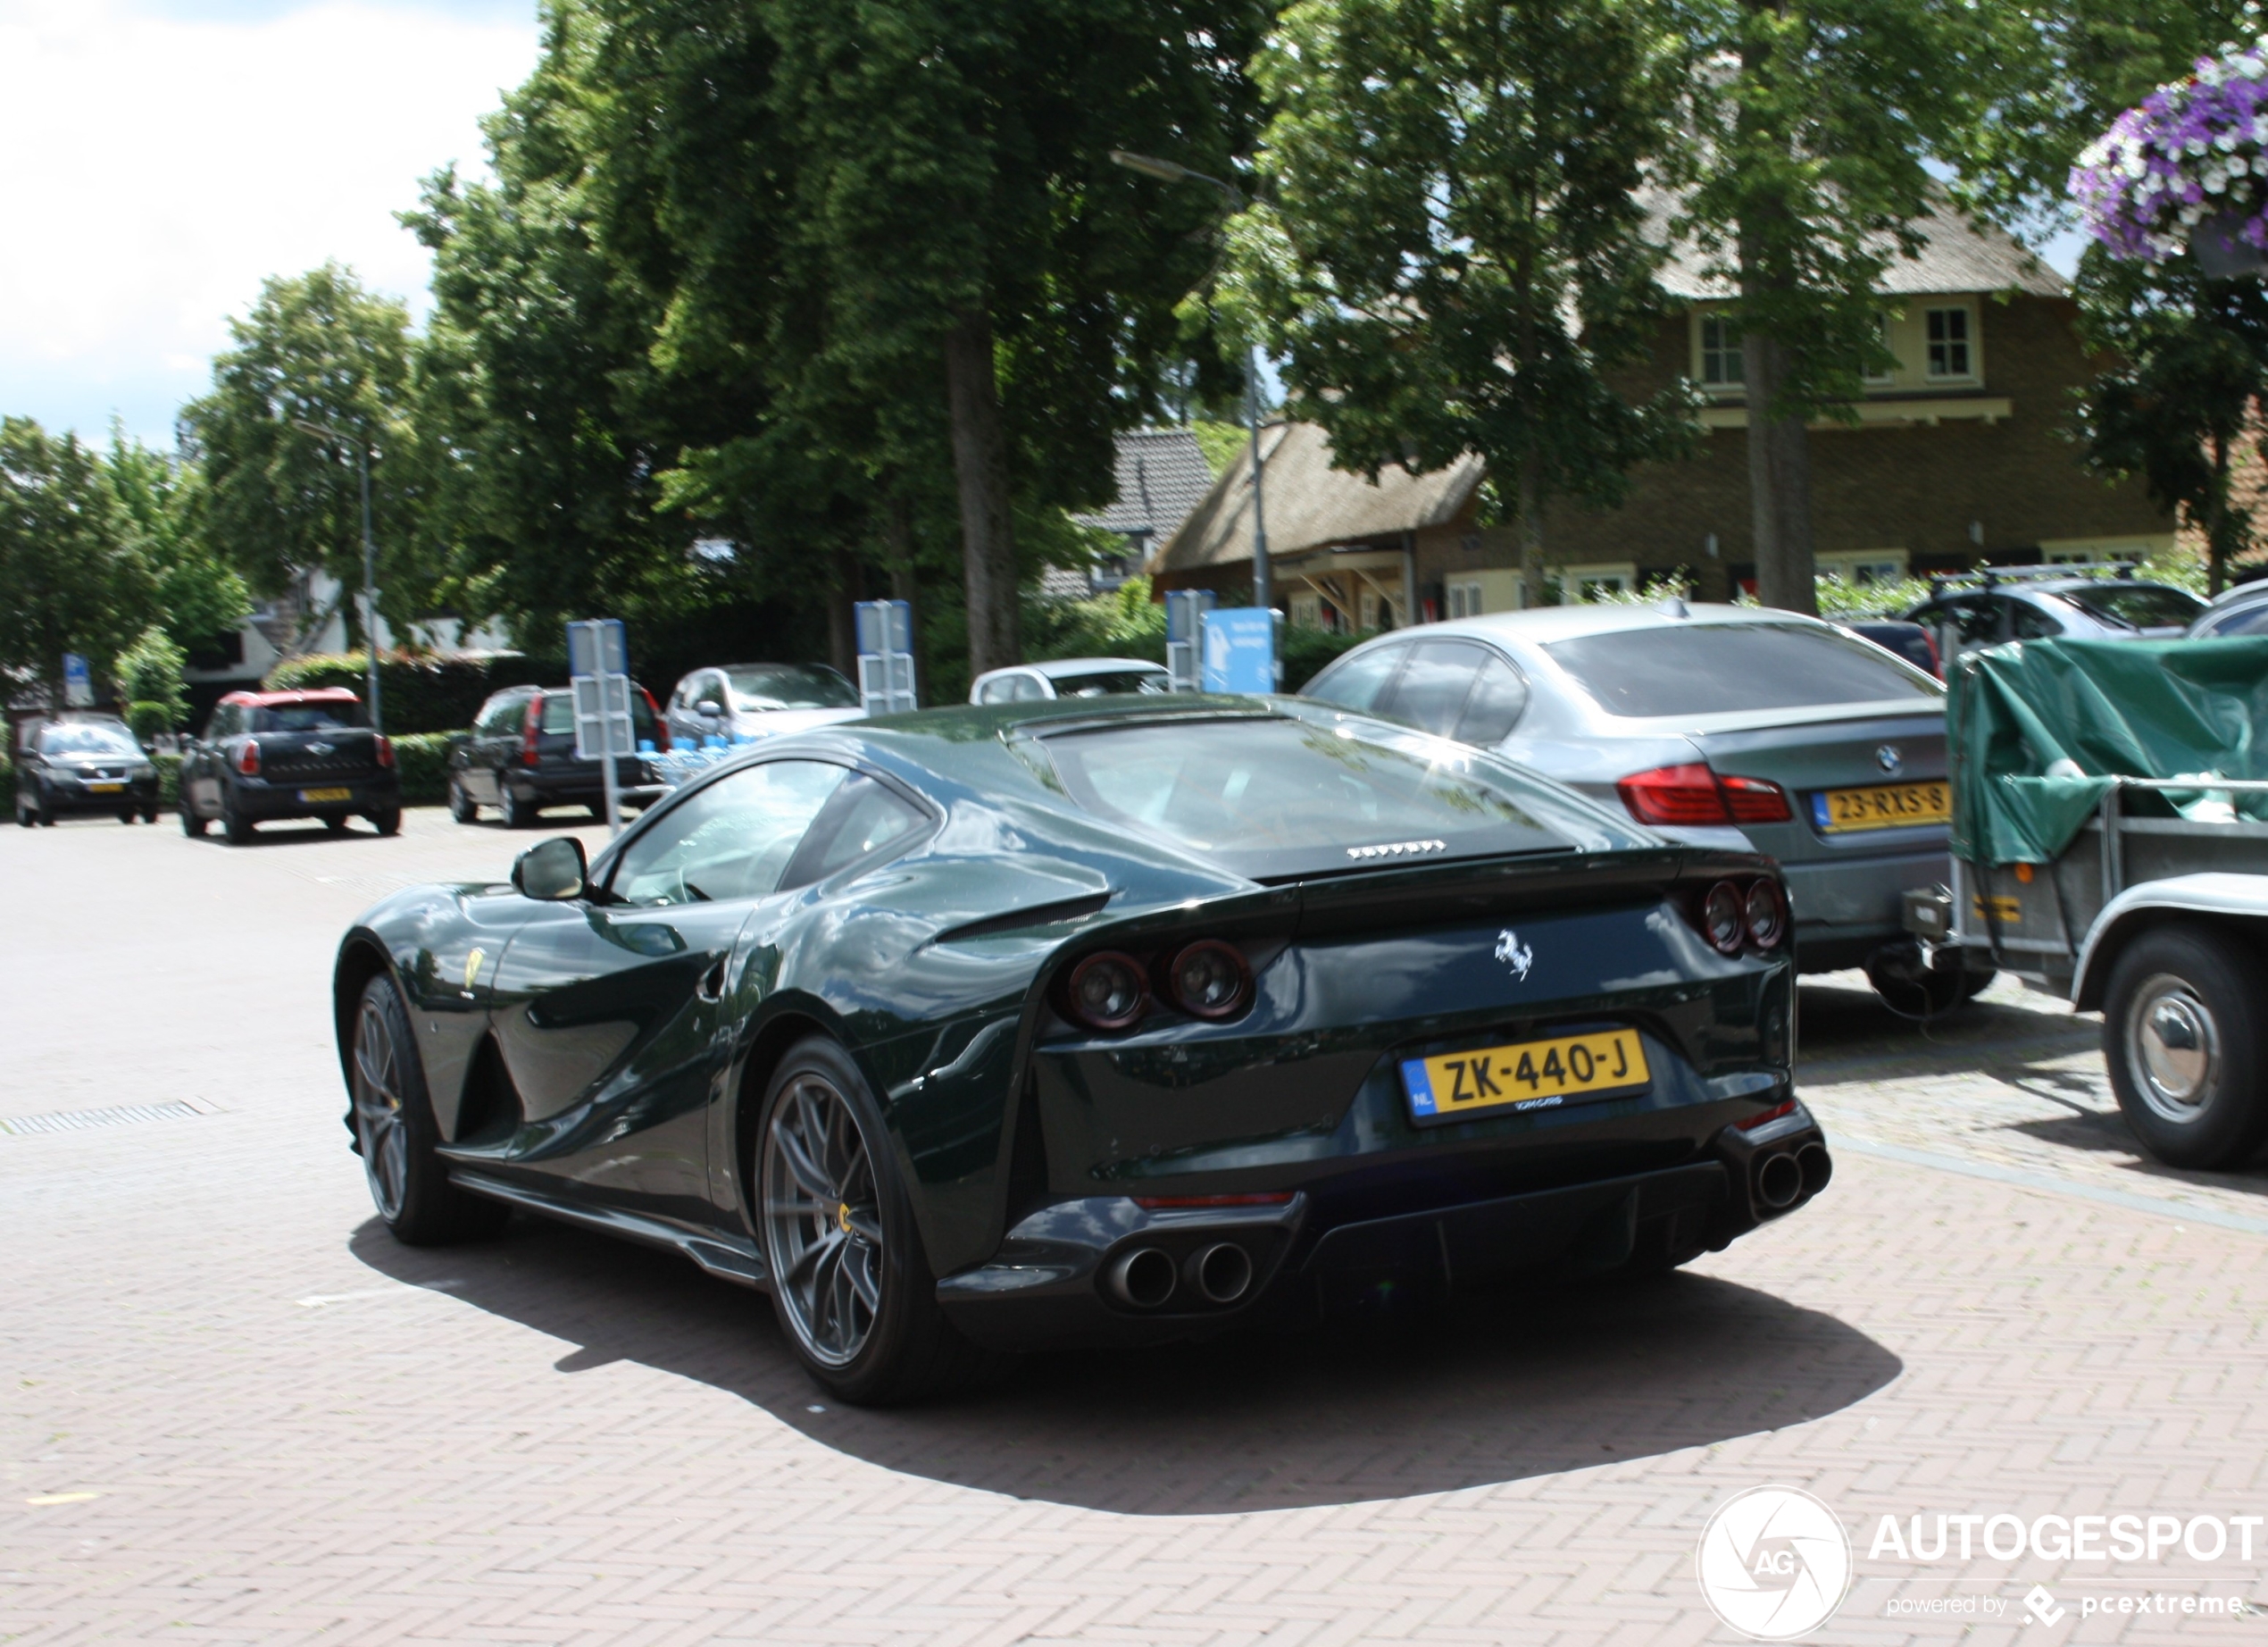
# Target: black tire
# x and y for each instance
(149, 813)
(2183, 1037)
(24, 817)
(388, 822)
(126, 815)
(461, 806)
(43, 807)
(851, 1285)
(517, 813)
(336, 824)
(394, 1132)
(234, 824)
(192, 825)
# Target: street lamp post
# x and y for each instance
(370, 556)
(1167, 171)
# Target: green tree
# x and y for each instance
(317, 349)
(1816, 124)
(149, 676)
(1453, 251)
(69, 578)
(159, 500)
(2188, 387)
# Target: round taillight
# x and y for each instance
(1210, 980)
(1767, 914)
(1724, 918)
(1106, 991)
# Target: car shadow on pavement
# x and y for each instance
(1843, 1026)
(1500, 1389)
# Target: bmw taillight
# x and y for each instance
(1107, 991)
(385, 751)
(532, 752)
(1690, 795)
(248, 759)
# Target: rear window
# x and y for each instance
(2136, 606)
(1272, 798)
(790, 686)
(304, 717)
(559, 715)
(1110, 683)
(1720, 668)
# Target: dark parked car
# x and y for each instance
(83, 765)
(1910, 642)
(267, 755)
(519, 757)
(1098, 1021)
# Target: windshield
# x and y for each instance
(2136, 606)
(1716, 668)
(1109, 682)
(87, 739)
(1273, 797)
(789, 686)
(304, 717)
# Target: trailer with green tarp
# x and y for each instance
(2110, 841)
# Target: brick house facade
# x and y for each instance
(1959, 454)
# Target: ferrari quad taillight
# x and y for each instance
(532, 752)
(1110, 991)
(1692, 796)
(1740, 914)
(248, 759)
(1107, 991)
(1209, 979)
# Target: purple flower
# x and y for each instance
(2191, 150)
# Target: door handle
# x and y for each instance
(710, 987)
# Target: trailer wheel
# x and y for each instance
(2183, 1038)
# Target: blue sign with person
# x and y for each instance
(1240, 650)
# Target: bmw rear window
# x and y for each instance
(1275, 798)
(1720, 668)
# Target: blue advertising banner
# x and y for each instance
(1240, 650)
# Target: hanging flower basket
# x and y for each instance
(2187, 170)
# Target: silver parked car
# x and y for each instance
(1069, 677)
(1731, 726)
(739, 701)
(2044, 603)
(2240, 611)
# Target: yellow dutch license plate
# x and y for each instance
(1882, 806)
(1526, 1074)
(104, 788)
(316, 797)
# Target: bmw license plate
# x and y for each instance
(1526, 1075)
(104, 788)
(1882, 805)
(317, 797)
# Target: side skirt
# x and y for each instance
(723, 1256)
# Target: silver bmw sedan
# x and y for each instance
(1733, 726)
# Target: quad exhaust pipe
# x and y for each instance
(1779, 1180)
(1146, 1277)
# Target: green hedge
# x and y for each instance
(415, 694)
(423, 760)
(1307, 650)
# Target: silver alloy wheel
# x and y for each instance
(822, 1220)
(2172, 1048)
(378, 1123)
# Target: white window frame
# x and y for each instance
(1307, 610)
(1886, 335)
(1576, 582)
(1462, 597)
(1723, 352)
(1858, 567)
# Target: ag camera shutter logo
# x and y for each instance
(1773, 1563)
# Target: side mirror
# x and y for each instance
(709, 712)
(551, 871)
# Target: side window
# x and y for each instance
(730, 838)
(1499, 694)
(1973, 620)
(1357, 683)
(1027, 689)
(862, 816)
(222, 724)
(711, 691)
(2028, 622)
(1433, 685)
(997, 691)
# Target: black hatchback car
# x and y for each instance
(269, 756)
(83, 765)
(520, 758)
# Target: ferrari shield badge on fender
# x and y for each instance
(1514, 954)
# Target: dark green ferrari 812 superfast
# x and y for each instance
(989, 1029)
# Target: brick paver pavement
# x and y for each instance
(236, 1411)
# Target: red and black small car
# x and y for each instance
(266, 755)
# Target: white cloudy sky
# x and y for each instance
(165, 155)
